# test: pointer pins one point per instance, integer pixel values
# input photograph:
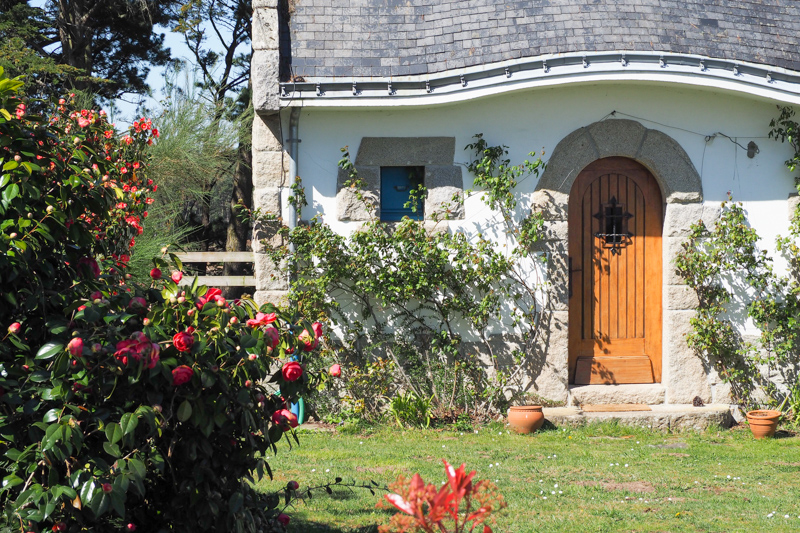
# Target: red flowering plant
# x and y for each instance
(123, 407)
(457, 506)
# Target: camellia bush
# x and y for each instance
(124, 407)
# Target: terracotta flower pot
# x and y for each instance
(525, 418)
(763, 422)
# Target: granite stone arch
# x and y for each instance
(684, 376)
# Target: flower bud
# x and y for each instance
(252, 357)
(50, 209)
(181, 299)
(15, 328)
(248, 384)
(293, 485)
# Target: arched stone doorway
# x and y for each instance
(683, 375)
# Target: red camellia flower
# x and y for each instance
(75, 347)
(292, 371)
(88, 267)
(317, 327)
(284, 519)
(155, 273)
(15, 328)
(177, 276)
(285, 418)
(309, 342)
(138, 305)
(182, 374)
(183, 341)
(213, 295)
(262, 319)
(138, 348)
(335, 371)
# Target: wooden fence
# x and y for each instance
(219, 257)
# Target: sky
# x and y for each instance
(126, 112)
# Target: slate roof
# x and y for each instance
(344, 39)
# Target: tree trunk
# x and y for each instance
(76, 38)
(239, 230)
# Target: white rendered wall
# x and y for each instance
(536, 120)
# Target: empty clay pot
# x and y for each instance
(763, 422)
(525, 418)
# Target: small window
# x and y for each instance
(396, 186)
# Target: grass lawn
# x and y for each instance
(596, 478)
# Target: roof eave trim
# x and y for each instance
(769, 82)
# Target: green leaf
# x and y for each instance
(113, 433)
(137, 468)
(236, 502)
(49, 350)
(111, 449)
(176, 260)
(118, 503)
(10, 192)
(51, 415)
(247, 341)
(184, 411)
(128, 423)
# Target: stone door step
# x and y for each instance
(674, 417)
(648, 394)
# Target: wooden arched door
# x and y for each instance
(615, 224)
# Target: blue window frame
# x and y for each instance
(396, 186)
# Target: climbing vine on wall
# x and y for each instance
(734, 278)
(423, 297)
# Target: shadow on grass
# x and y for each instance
(303, 526)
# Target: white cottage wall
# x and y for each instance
(712, 128)
(536, 120)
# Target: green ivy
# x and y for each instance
(726, 269)
(407, 291)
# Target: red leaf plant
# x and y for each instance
(457, 507)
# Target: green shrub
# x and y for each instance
(124, 407)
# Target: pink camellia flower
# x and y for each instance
(88, 267)
(271, 334)
(138, 348)
(75, 347)
(262, 319)
(14, 328)
(107, 487)
(83, 122)
(177, 276)
(156, 274)
(335, 371)
(292, 371)
(213, 295)
(283, 519)
(309, 342)
(284, 418)
(183, 341)
(182, 374)
(293, 485)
